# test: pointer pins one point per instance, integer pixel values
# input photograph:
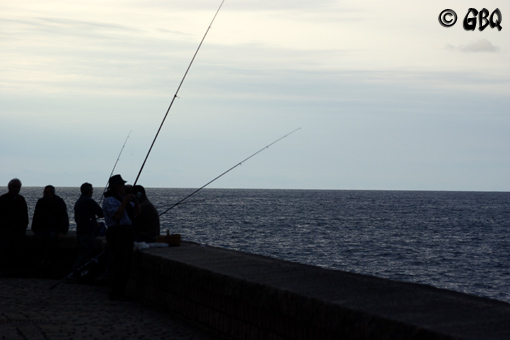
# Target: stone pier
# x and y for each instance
(237, 295)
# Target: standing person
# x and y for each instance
(119, 211)
(86, 212)
(147, 225)
(50, 222)
(13, 226)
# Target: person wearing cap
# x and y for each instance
(119, 208)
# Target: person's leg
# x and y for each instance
(120, 242)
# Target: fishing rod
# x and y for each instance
(175, 95)
(189, 202)
(114, 166)
(224, 173)
(79, 269)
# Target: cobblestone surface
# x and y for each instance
(30, 310)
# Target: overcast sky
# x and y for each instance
(386, 97)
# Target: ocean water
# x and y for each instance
(454, 240)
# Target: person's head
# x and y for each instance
(49, 191)
(139, 191)
(117, 184)
(86, 189)
(14, 186)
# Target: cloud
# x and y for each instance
(482, 45)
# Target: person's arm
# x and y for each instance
(97, 210)
(138, 208)
(64, 219)
(25, 214)
(35, 218)
(117, 215)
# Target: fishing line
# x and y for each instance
(224, 173)
(175, 95)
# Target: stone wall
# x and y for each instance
(245, 296)
(61, 262)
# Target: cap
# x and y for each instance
(115, 180)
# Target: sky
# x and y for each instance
(385, 97)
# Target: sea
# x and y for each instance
(458, 241)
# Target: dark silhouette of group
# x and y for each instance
(129, 216)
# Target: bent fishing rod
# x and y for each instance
(114, 166)
(224, 173)
(189, 202)
(175, 95)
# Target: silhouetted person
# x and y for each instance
(86, 212)
(13, 226)
(147, 223)
(119, 211)
(50, 222)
